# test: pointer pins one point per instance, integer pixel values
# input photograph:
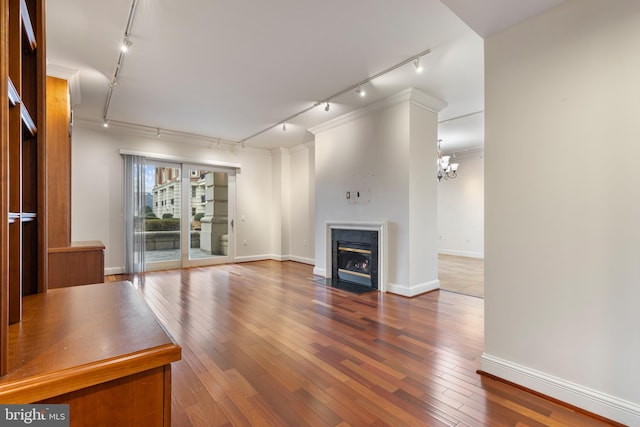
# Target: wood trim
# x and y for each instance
(80, 246)
(51, 384)
(167, 395)
(41, 84)
(4, 186)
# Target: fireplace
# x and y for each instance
(355, 257)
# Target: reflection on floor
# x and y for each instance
(174, 255)
(461, 274)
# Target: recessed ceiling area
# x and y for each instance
(228, 70)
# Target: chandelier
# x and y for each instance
(446, 170)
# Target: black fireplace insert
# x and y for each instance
(355, 257)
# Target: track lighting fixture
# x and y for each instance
(418, 65)
(243, 146)
(219, 142)
(124, 46)
(105, 123)
(158, 132)
(284, 127)
(357, 87)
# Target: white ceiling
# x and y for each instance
(230, 69)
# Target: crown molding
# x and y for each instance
(177, 137)
(466, 154)
(412, 95)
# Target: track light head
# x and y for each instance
(418, 65)
(284, 127)
(158, 132)
(124, 46)
(105, 123)
(326, 108)
(361, 92)
(219, 142)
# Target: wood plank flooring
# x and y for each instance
(461, 274)
(267, 344)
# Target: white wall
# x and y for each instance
(302, 203)
(382, 152)
(461, 209)
(562, 213)
(97, 210)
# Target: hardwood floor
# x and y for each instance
(265, 344)
(461, 274)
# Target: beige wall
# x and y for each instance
(562, 197)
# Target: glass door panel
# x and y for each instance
(208, 217)
(162, 215)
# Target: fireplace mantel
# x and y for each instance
(381, 227)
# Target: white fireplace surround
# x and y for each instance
(380, 227)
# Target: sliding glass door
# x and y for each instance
(163, 214)
(188, 219)
(208, 217)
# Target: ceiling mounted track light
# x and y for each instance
(124, 46)
(418, 65)
(414, 58)
(284, 127)
(361, 92)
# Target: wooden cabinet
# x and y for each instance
(98, 348)
(87, 259)
(23, 246)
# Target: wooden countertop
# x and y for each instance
(72, 338)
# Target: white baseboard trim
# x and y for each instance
(413, 290)
(275, 258)
(253, 258)
(319, 271)
(468, 254)
(594, 401)
(303, 260)
(108, 271)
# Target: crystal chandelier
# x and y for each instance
(446, 170)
